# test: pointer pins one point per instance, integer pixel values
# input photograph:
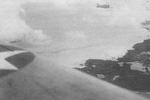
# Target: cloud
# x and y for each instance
(133, 11)
(85, 25)
(121, 11)
(75, 39)
(79, 30)
(13, 27)
(75, 35)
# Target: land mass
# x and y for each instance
(131, 71)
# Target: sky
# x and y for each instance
(71, 31)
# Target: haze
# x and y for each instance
(77, 30)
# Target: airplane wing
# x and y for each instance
(13, 59)
(47, 81)
(55, 82)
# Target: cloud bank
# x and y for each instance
(77, 26)
(13, 27)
